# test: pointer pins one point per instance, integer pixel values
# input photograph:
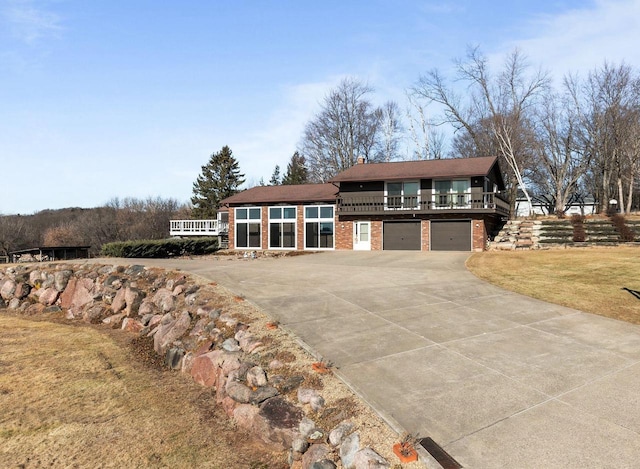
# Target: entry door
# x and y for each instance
(361, 236)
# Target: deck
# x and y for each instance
(198, 228)
(484, 202)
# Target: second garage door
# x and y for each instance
(401, 235)
(451, 235)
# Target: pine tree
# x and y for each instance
(275, 177)
(296, 170)
(219, 179)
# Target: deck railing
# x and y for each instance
(482, 201)
(198, 227)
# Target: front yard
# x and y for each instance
(591, 280)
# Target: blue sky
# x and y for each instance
(113, 98)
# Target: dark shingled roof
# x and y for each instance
(285, 193)
(423, 169)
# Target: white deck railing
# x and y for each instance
(198, 227)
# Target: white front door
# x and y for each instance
(361, 236)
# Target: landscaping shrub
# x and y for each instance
(579, 235)
(161, 248)
(626, 233)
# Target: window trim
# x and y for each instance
(450, 194)
(280, 221)
(319, 220)
(402, 195)
(246, 221)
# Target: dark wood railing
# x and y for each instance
(482, 201)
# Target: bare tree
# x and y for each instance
(346, 128)
(12, 230)
(503, 104)
(64, 234)
(610, 122)
(427, 141)
(561, 158)
(390, 132)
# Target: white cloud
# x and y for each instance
(580, 40)
(29, 22)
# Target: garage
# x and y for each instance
(451, 235)
(401, 236)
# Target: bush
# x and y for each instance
(579, 235)
(626, 233)
(161, 248)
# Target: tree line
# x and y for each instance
(117, 220)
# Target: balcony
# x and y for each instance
(481, 202)
(198, 228)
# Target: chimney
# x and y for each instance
(360, 160)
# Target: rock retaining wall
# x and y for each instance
(195, 332)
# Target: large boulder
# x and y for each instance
(49, 296)
(77, 293)
(367, 458)
(61, 279)
(7, 288)
(164, 300)
(119, 302)
(94, 314)
(133, 298)
(274, 423)
(316, 452)
(206, 366)
(22, 291)
(167, 333)
(348, 449)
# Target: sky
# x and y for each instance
(129, 98)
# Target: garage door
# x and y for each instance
(401, 236)
(450, 235)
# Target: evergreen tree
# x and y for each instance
(275, 177)
(219, 179)
(296, 170)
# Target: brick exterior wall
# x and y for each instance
(426, 232)
(232, 228)
(300, 228)
(343, 230)
(376, 235)
(479, 239)
(265, 228)
(344, 234)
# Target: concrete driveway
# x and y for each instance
(497, 379)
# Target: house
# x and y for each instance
(544, 205)
(448, 204)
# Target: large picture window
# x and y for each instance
(248, 227)
(402, 195)
(318, 227)
(282, 227)
(452, 193)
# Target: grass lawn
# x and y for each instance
(590, 280)
(73, 396)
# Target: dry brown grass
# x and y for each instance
(590, 280)
(74, 396)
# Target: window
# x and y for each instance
(452, 193)
(282, 227)
(318, 227)
(248, 227)
(402, 195)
